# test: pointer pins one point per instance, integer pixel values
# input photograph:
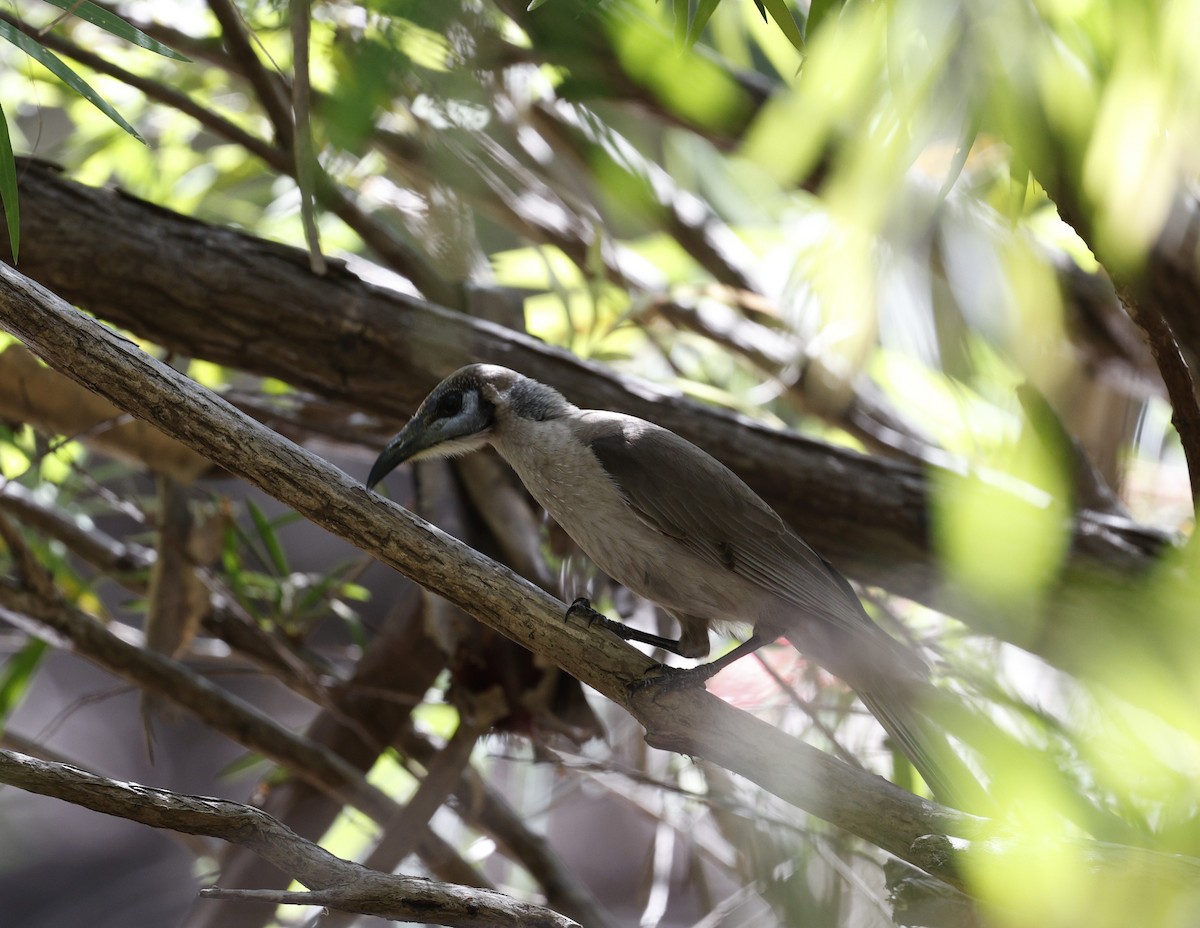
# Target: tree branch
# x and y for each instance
(355, 724)
(234, 299)
(345, 885)
(224, 712)
(691, 722)
(153, 271)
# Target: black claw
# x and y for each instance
(583, 606)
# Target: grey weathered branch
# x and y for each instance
(693, 722)
(338, 883)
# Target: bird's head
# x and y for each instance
(460, 414)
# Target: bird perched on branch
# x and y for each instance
(671, 523)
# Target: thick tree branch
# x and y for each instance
(691, 722)
(234, 299)
(343, 884)
(238, 300)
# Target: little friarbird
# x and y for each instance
(672, 524)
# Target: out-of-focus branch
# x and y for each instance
(348, 710)
(214, 122)
(303, 149)
(1179, 377)
(102, 551)
(857, 408)
(218, 708)
(128, 565)
(398, 837)
(346, 885)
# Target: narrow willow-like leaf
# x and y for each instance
(680, 10)
(783, 18)
(8, 187)
(111, 22)
(817, 12)
(704, 11)
(18, 674)
(270, 540)
(59, 69)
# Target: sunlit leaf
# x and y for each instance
(680, 10)
(18, 673)
(59, 69)
(704, 11)
(266, 531)
(817, 11)
(111, 22)
(783, 18)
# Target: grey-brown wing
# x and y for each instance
(687, 494)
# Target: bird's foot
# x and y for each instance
(582, 606)
(667, 679)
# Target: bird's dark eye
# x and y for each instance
(448, 405)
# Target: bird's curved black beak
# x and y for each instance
(410, 441)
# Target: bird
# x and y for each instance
(669, 522)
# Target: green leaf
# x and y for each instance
(783, 17)
(59, 69)
(680, 9)
(18, 672)
(111, 22)
(8, 187)
(266, 532)
(817, 12)
(704, 11)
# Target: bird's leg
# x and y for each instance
(583, 607)
(676, 678)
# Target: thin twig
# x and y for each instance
(1179, 378)
(266, 86)
(306, 158)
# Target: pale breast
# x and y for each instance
(563, 475)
